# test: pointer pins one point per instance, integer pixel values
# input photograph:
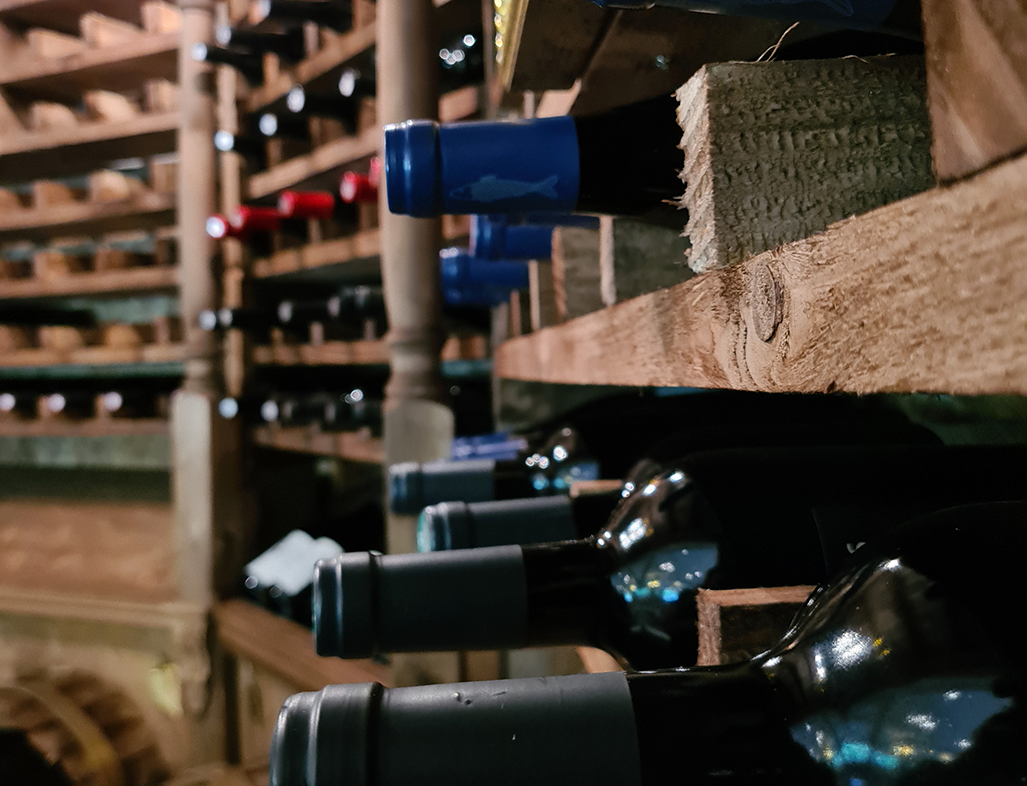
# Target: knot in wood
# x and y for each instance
(766, 301)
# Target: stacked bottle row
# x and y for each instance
(750, 490)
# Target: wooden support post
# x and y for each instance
(775, 152)
(976, 82)
(417, 426)
(206, 477)
(576, 289)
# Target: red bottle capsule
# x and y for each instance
(218, 227)
(246, 219)
(357, 188)
(306, 204)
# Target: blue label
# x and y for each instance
(508, 167)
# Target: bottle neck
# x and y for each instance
(512, 480)
(720, 726)
(567, 591)
(629, 159)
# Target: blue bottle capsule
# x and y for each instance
(460, 270)
(495, 238)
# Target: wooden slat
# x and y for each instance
(119, 68)
(331, 57)
(140, 279)
(347, 150)
(86, 147)
(976, 54)
(624, 67)
(548, 43)
(144, 210)
(64, 15)
(94, 427)
(248, 631)
(925, 294)
(774, 152)
(738, 624)
(353, 446)
(94, 356)
(360, 245)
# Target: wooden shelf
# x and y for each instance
(350, 445)
(143, 211)
(298, 172)
(363, 353)
(93, 427)
(346, 258)
(330, 353)
(86, 148)
(924, 294)
(77, 606)
(149, 361)
(63, 15)
(255, 634)
(117, 68)
(140, 279)
(343, 254)
(333, 56)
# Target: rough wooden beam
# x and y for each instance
(10, 123)
(110, 186)
(161, 95)
(51, 44)
(100, 31)
(777, 151)
(576, 275)
(160, 17)
(49, 193)
(976, 53)
(925, 294)
(50, 116)
(108, 107)
(738, 624)
(636, 258)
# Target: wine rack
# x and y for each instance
(89, 118)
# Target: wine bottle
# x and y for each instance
(326, 13)
(251, 66)
(303, 103)
(297, 410)
(131, 403)
(356, 188)
(250, 147)
(280, 578)
(247, 220)
(458, 269)
(723, 519)
(357, 83)
(897, 17)
(449, 526)
(250, 409)
(76, 404)
(33, 315)
(349, 305)
(907, 668)
(17, 405)
(288, 45)
(307, 204)
(625, 161)
(352, 411)
(277, 124)
(458, 525)
(492, 239)
(606, 438)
